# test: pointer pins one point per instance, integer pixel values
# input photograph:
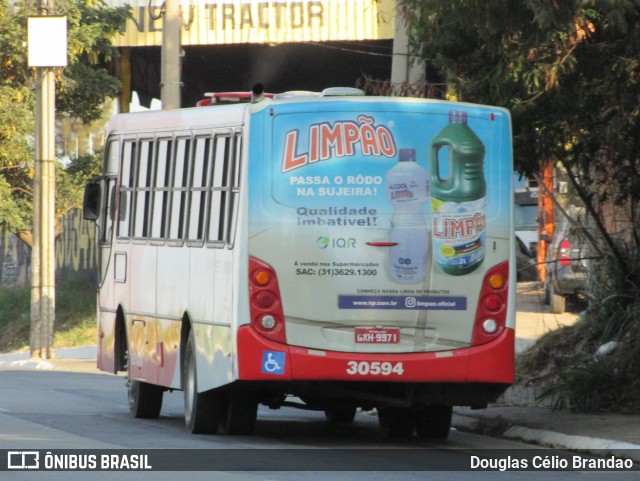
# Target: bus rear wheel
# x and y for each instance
(340, 415)
(145, 400)
(434, 421)
(239, 413)
(396, 422)
(202, 411)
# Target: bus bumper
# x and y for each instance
(262, 360)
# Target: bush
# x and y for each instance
(565, 364)
(75, 322)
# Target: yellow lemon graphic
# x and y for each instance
(447, 250)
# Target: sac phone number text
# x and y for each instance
(335, 272)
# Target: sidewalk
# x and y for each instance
(80, 359)
(515, 416)
(589, 433)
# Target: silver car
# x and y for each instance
(567, 266)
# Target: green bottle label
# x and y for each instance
(458, 235)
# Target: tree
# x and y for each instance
(81, 90)
(569, 72)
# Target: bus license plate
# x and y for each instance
(376, 335)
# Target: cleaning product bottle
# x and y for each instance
(408, 190)
(458, 194)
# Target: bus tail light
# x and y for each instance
(491, 314)
(264, 298)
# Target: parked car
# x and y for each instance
(567, 266)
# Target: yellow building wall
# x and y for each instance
(270, 22)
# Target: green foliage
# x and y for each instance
(565, 365)
(81, 90)
(75, 323)
(14, 317)
(71, 181)
(588, 385)
(615, 307)
(10, 213)
(568, 71)
(85, 83)
(16, 159)
(75, 313)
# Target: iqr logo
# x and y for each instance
(323, 242)
(336, 243)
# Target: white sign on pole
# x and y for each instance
(47, 40)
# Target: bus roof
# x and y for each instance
(234, 113)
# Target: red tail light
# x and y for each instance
(565, 252)
(264, 301)
(491, 314)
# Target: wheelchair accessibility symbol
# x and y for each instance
(273, 362)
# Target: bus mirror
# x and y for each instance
(91, 204)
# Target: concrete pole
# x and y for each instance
(43, 251)
(405, 67)
(170, 56)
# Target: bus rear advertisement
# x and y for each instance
(328, 250)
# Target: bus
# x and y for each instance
(324, 250)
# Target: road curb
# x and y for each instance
(586, 444)
(27, 364)
(75, 365)
(542, 437)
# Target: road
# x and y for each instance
(49, 410)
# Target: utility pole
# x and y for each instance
(47, 49)
(405, 67)
(170, 56)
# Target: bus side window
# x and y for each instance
(179, 189)
(126, 184)
(108, 215)
(199, 176)
(235, 187)
(106, 204)
(143, 190)
(161, 190)
(219, 190)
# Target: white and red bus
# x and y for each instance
(328, 250)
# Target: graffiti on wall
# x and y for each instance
(15, 259)
(75, 247)
(75, 252)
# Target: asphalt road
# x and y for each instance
(48, 411)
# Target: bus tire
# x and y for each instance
(434, 421)
(145, 400)
(201, 410)
(340, 415)
(396, 422)
(239, 413)
(557, 301)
